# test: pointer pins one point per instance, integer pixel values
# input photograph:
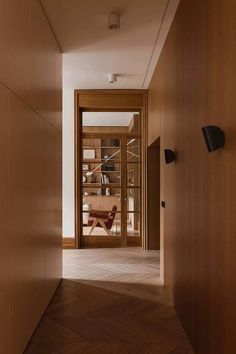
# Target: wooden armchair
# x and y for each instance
(104, 219)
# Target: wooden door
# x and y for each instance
(132, 191)
(111, 177)
(114, 101)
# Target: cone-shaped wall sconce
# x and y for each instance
(214, 137)
(170, 156)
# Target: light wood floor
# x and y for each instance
(110, 302)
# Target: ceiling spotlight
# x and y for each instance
(112, 78)
(113, 21)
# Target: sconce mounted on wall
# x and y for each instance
(170, 156)
(214, 137)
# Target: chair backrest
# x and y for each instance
(111, 217)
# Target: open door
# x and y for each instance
(154, 195)
(110, 179)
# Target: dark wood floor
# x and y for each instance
(110, 301)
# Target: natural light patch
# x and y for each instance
(106, 119)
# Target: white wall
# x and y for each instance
(68, 163)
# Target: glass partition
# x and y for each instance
(111, 176)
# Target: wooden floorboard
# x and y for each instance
(110, 301)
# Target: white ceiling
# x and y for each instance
(91, 51)
(107, 118)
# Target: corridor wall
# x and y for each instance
(194, 85)
(30, 177)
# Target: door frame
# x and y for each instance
(117, 100)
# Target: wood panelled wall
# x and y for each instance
(194, 85)
(30, 177)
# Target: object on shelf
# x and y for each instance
(131, 180)
(115, 142)
(106, 156)
(104, 179)
(108, 191)
(84, 179)
(108, 167)
(85, 167)
(90, 177)
(99, 192)
(86, 208)
(89, 154)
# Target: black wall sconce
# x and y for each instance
(170, 156)
(214, 137)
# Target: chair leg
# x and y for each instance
(101, 222)
(93, 226)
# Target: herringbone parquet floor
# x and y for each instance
(110, 302)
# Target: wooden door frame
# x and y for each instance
(123, 100)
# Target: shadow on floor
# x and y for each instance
(108, 317)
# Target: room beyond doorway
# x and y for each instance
(109, 169)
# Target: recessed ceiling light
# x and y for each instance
(113, 21)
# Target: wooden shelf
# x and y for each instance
(100, 147)
(101, 185)
(110, 147)
(100, 161)
(102, 172)
(103, 196)
(110, 172)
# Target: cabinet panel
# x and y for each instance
(4, 222)
(34, 195)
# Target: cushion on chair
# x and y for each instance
(99, 214)
(107, 216)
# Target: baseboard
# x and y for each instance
(68, 242)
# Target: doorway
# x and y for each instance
(154, 195)
(109, 165)
(111, 187)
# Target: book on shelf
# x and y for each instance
(104, 179)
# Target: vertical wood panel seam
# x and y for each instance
(50, 25)
(30, 107)
(155, 43)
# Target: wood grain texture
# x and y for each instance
(4, 215)
(103, 99)
(110, 302)
(153, 197)
(109, 130)
(194, 86)
(34, 205)
(30, 177)
(30, 63)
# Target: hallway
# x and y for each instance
(110, 301)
